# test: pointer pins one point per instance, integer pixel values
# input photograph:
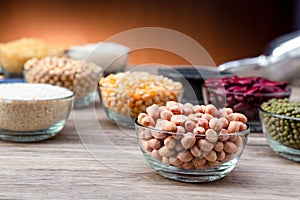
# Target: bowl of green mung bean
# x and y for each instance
(280, 119)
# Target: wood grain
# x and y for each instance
(92, 158)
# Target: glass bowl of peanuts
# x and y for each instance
(126, 94)
(191, 143)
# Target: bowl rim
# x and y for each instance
(277, 115)
(69, 96)
(138, 125)
(223, 91)
(136, 87)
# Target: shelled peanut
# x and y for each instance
(130, 93)
(191, 136)
(76, 75)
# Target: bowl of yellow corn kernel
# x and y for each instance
(126, 94)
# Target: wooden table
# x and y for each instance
(92, 158)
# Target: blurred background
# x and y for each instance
(228, 30)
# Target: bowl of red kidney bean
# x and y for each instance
(244, 95)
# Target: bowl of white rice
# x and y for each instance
(33, 112)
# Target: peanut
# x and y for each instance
(170, 142)
(166, 125)
(180, 129)
(216, 124)
(174, 107)
(187, 109)
(214, 164)
(233, 127)
(179, 119)
(199, 163)
(228, 156)
(146, 146)
(166, 115)
(165, 152)
(205, 145)
(189, 125)
(221, 155)
(188, 140)
(230, 147)
(218, 146)
(175, 161)
(147, 121)
(237, 117)
(178, 147)
(222, 113)
(153, 111)
(223, 135)
(140, 117)
(212, 110)
(187, 165)
(193, 117)
(239, 141)
(158, 135)
(155, 154)
(211, 135)
(147, 134)
(206, 116)
(185, 156)
(154, 143)
(195, 151)
(198, 109)
(211, 156)
(203, 123)
(199, 130)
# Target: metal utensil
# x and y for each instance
(280, 61)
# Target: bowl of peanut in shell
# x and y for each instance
(126, 94)
(191, 143)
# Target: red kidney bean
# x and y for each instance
(244, 94)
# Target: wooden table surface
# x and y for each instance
(92, 158)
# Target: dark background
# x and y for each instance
(227, 29)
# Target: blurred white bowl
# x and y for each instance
(111, 56)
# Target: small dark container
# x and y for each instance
(192, 79)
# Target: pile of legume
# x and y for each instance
(192, 136)
(129, 93)
(244, 94)
(76, 75)
(282, 121)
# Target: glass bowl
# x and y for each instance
(282, 133)
(122, 106)
(214, 158)
(246, 101)
(75, 75)
(33, 112)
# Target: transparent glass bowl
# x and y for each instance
(33, 120)
(170, 159)
(83, 81)
(123, 106)
(247, 104)
(282, 133)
